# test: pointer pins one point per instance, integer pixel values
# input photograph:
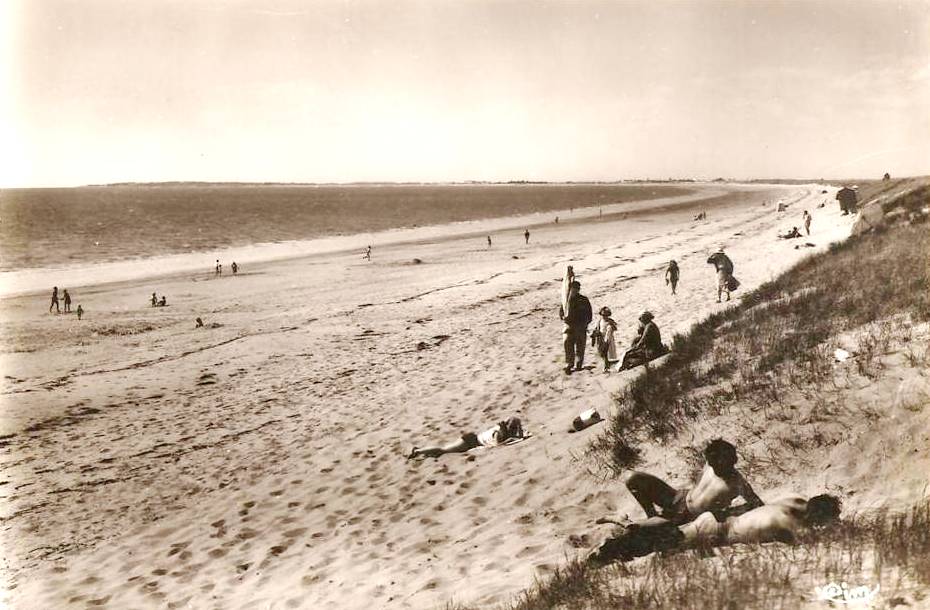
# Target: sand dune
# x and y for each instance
(259, 463)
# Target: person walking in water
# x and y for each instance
(724, 267)
(807, 221)
(67, 301)
(671, 275)
(576, 321)
(368, 254)
(526, 236)
(54, 301)
(219, 267)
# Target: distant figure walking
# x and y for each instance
(219, 267)
(234, 267)
(848, 200)
(556, 220)
(67, 301)
(602, 337)
(807, 221)
(724, 267)
(368, 253)
(671, 275)
(489, 241)
(80, 312)
(154, 300)
(526, 236)
(576, 321)
(54, 300)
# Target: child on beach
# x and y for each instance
(163, 302)
(80, 311)
(504, 431)
(671, 275)
(602, 337)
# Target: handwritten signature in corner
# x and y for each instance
(843, 594)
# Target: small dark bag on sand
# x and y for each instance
(732, 283)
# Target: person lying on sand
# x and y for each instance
(646, 346)
(792, 234)
(497, 435)
(720, 483)
(779, 521)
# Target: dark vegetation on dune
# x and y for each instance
(788, 320)
(779, 339)
(750, 576)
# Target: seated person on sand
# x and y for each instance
(499, 434)
(793, 233)
(779, 521)
(719, 485)
(646, 346)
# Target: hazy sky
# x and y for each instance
(114, 90)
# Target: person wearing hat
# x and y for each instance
(576, 321)
(724, 267)
(603, 337)
(646, 346)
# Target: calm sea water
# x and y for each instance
(43, 228)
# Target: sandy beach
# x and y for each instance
(258, 462)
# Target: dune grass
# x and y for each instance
(780, 338)
(779, 335)
(893, 550)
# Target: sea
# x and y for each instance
(109, 233)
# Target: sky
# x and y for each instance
(98, 91)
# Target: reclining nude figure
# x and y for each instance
(719, 484)
(778, 521)
(499, 434)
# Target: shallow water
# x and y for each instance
(42, 228)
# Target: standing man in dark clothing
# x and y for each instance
(54, 300)
(576, 321)
(848, 200)
(67, 299)
(526, 236)
(724, 267)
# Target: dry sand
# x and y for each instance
(259, 462)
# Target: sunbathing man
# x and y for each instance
(780, 521)
(502, 432)
(719, 485)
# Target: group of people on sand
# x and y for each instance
(218, 268)
(704, 516)
(156, 302)
(66, 301)
(794, 233)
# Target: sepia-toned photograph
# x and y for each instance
(464, 304)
